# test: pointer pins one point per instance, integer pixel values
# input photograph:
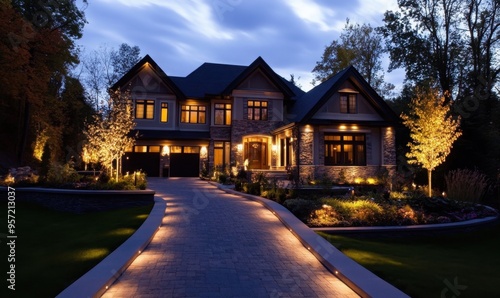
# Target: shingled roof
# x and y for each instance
(208, 79)
(307, 105)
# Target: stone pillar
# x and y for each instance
(388, 146)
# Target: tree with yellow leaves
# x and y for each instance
(432, 130)
(109, 135)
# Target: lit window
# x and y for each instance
(191, 149)
(257, 110)
(193, 114)
(348, 104)
(144, 109)
(141, 149)
(222, 114)
(345, 149)
(222, 152)
(164, 112)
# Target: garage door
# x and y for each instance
(184, 164)
(145, 158)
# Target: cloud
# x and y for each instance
(197, 16)
(312, 13)
(182, 34)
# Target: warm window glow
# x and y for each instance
(222, 153)
(345, 149)
(192, 149)
(144, 109)
(257, 110)
(175, 149)
(164, 112)
(222, 114)
(193, 114)
(141, 149)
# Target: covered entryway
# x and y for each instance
(184, 161)
(256, 152)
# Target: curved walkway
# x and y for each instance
(214, 244)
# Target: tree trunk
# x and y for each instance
(429, 175)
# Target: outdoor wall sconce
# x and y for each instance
(165, 151)
(203, 152)
(275, 148)
(239, 147)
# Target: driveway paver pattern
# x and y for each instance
(213, 244)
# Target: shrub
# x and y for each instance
(61, 174)
(136, 180)
(222, 178)
(253, 188)
(466, 185)
(395, 195)
(358, 212)
(302, 208)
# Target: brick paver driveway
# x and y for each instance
(212, 244)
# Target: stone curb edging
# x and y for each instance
(96, 281)
(358, 278)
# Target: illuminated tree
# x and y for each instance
(432, 130)
(109, 135)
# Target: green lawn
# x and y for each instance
(53, 249)
(432, 265)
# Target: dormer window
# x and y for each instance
(144, 109)
(348, 103)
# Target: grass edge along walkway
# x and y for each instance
(53, 249)
(426, 265)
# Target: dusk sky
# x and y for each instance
(182, 34)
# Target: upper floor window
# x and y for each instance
(345, 149)
(164, 112)
(144, 109)
(222, 114)
(193, 114)
(257, 110)
(348, 104)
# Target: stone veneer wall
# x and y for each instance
(242, 128)
(389, 146)
(310, 171)
(84, 201)
(306, 148)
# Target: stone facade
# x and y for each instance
(389, 146)
(241, 128)
(306, 152)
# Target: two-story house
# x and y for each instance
(230, 115)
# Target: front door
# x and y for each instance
(257, 155)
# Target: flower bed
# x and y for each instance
(394, 210)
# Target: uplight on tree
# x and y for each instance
(109, 135)
(432, 130)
